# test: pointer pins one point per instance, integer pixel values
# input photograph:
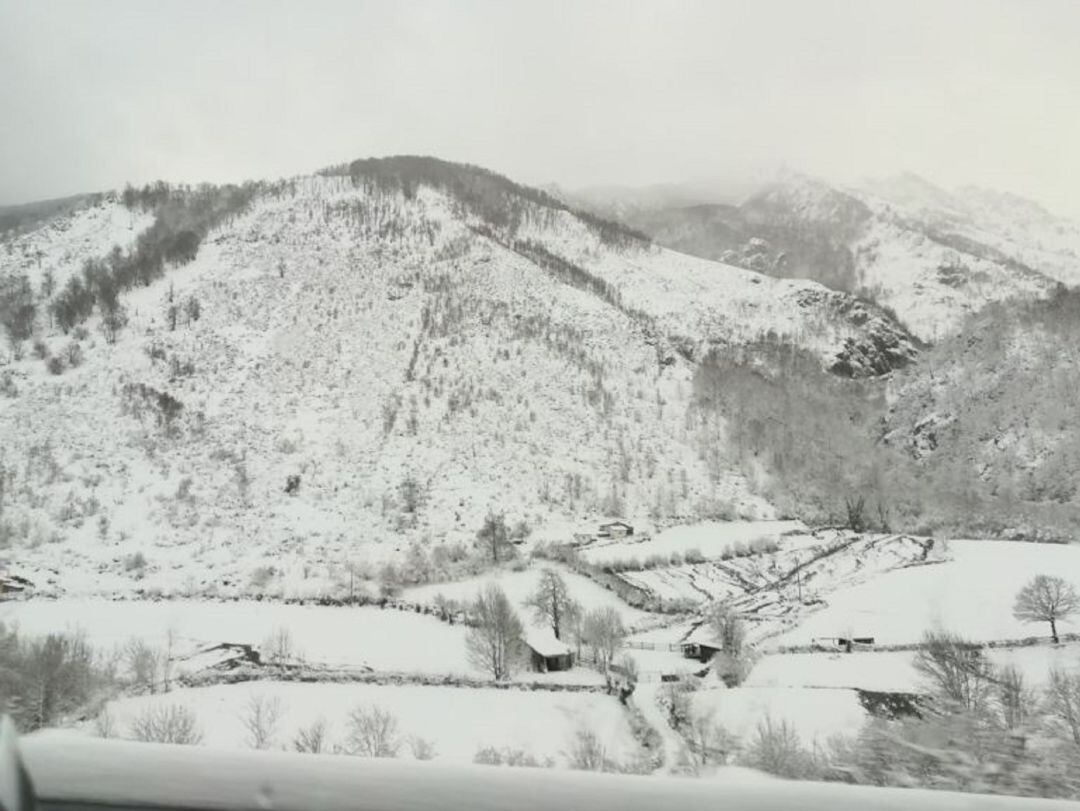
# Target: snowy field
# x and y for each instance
(816, 715)
(710, 538)
(893, 670)
(520, 585)
(825, 562)
(456, 721)
(971, 594)
(380, 639)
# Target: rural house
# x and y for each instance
(546, 653)
(615, 529)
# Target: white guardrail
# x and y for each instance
(67, 771)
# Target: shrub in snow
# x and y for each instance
(490, 756)
(40, 349)
(261, 576)
(135, 564)
(372, 732)
(422, 748)
(166, 723)
(588, 753)
(73, 354)
(55, 365)
(775, 748)
(312, 738)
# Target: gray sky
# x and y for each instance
(95, 94)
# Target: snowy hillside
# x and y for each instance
(930, 255)
(401, 360)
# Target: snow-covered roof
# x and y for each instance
(702, 635)
(543, 641)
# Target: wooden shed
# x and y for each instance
(615, 529)
(546, 653)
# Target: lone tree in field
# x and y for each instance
(1046, 599)
(551, 602)
(733, 662)
(493, 645)
(603, 632)
(494, 535)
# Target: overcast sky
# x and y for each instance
(96, 94)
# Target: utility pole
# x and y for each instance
(798, 576)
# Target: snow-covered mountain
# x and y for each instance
(932, 256)
(372, 356)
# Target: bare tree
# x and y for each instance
(143, 663)
(956, 670)
(1063, 701)
(373, 733)
(733, 663)
(1017, 702)
(604, 633)
(260, 719)
(166, 723)
(1046, 599)
(551, 602)
(709, 740)
(494, 535)
(277, 649)
(494, 643)
(312, 738)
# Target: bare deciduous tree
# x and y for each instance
(733, 663)
(1046, 599)
(493, 645)
(373, 733)
(143, 663)
(1017, 702)
(956, 670)
(604, 633)
(1063, 701)
(166, 723)
(551, 602)
(494, 536)
(709, 740)
(261, 716)
(277, 649)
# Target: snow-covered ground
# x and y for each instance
(520, 585)
(816, 715)
(769, 584)
(892, 671)
(456, 721)
(63, 244)
(971, 594)
(383, 639)
(710, 538)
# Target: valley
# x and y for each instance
(402, 458)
